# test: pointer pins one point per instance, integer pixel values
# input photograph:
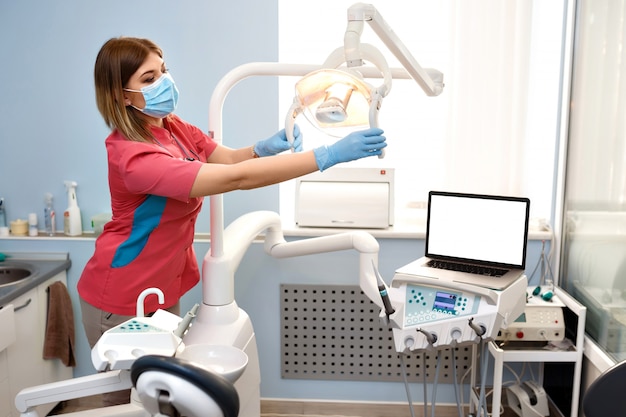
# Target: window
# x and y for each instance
(494, 128)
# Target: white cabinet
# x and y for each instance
(529, 354)
(5, 396)
(21, 363)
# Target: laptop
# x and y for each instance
(475, 239)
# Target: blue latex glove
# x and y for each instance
(356, 145)
(278, 143)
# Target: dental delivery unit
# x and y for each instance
(220, 338)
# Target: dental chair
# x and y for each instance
(605, 396)
(175, 387)
(163, 386)
(168, 378)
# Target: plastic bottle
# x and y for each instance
(32, 224)
(72, 223)
(4, 227)
(49, 215)
(3, 214)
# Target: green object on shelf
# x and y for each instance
(3, 256)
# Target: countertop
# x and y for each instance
(44, 266)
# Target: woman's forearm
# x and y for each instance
(252, 173)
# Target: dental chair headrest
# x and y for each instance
(174, 386)
(605, 396)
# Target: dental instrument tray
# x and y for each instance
(120, 346)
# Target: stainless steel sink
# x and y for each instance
(14, 273)
(21, 272)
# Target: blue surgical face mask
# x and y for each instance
(161, 96)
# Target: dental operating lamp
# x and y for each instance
(353, 54)
(337, 96)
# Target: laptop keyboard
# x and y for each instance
(472, 269)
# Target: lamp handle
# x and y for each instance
(377, 101)
(290, 121)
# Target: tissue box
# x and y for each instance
(346, 198)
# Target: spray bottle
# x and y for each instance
(71, 217)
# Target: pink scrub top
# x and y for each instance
(149, 241)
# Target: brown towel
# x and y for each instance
(59, 340)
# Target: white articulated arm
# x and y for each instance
(218, 273)
(430, 81)
(360, 241)
(29, 398)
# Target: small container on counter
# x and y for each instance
(19, 227)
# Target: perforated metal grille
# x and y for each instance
(333, 332)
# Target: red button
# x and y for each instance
(520, 334)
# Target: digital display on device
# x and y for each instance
(445, 301)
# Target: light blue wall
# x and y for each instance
(50, 131)
(50, 128)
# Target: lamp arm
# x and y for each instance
(352, 42)
(361, 241)
(360, 12)
(365, 52)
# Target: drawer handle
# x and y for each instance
(23, 305)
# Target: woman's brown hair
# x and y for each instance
(118, 59)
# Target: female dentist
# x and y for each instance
(160, 168)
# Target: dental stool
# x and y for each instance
(605, 396)
(175, 387)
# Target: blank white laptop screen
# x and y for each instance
(491, 229)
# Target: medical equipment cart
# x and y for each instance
(520, 353)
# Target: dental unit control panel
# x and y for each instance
(436, 313)
(426, 304)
